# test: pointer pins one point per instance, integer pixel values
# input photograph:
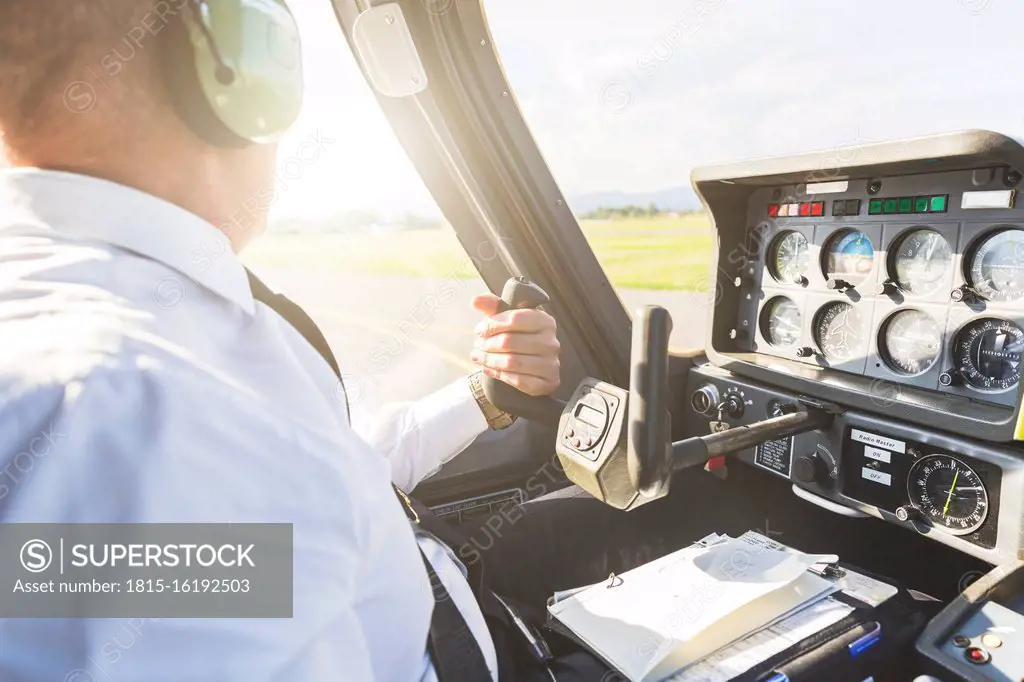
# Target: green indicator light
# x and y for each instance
(906, 205)
(921, 205)
(938, 203)
(874, 206)
(889, 206)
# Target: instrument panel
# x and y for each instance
(882, 283)
(896, 279)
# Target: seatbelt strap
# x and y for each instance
(453, 649)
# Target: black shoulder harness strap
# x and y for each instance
(453, 649)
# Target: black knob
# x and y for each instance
(907, 512)
(801, 280)
(887, 288)
(807, 468)
(734, 406)
(804, 352)
(838, 285)
(950, 378)
(777, 408)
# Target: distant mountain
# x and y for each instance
(672, 199)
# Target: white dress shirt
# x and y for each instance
(164, 393)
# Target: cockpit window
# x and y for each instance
(356, 238)
(625, 100)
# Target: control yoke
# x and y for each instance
(520, 293)
(651, 454)
(617, 443)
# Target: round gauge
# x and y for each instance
(788, 257)
(780, 322)
(921, 261)
(838, 331)
(987, 353)
(996, 266)
(911, 342)
(948, 493)
(849, 256)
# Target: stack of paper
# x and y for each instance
(660, 618)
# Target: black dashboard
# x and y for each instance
(884, 283)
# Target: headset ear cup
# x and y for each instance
(180, 69)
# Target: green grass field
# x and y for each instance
(637, 253)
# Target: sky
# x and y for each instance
(632, 95)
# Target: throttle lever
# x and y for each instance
(518, 294)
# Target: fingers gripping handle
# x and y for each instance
(649, 431)
(517, 294)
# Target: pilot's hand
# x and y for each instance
(518, 347)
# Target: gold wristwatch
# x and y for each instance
(496, 419)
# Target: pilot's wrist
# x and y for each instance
(496, 419)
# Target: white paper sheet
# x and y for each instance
(655, 609)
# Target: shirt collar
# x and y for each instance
(100, 210)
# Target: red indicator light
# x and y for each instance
(773, 210)
(805, 209)
(818, 208)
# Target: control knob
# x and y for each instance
(908, 512)
(804, 352)
(950, 378)
(963, 294)
(838, 285)
(809, 468)
(887, 288)
(734, 406)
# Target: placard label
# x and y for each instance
(880, 441)
(776, 456)
(877, 454)
(876, 476)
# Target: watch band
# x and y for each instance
(496, 419)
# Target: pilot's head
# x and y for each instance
(183, 99)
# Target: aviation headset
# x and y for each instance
(234, 69)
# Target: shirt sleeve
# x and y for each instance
(418, 437)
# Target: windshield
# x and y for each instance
(625, 100)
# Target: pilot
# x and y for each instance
(141, 384)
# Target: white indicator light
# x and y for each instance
(827, 187)
(999, 198)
